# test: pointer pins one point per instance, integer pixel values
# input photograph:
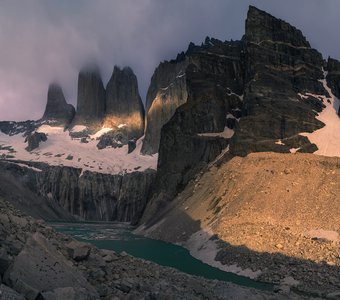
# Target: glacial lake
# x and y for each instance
(119, 237)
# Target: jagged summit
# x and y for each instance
(168, 89)
(124, 105)
(261, 26)
(91, 96)
(57, 108)
(90, 68)
(265, 93)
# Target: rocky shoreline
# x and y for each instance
(38, 263)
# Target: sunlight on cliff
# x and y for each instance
(133, 121)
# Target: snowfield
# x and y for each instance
(61, 150)
(327, 138)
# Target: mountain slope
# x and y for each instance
(261, 212)
(267, 92)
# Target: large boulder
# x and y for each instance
(69, 293)
(114, 138)
(7, 293)
(34, 139)
(57, 109)
(78, 251)
(124, 107)
(5, 261)
(41, 267)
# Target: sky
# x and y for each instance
(44, 41)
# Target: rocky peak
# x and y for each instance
(261, 26)
(333, 65)
(57, 108)
(124, 107)
(282, 71)
(91, 96)
(122, 94)
(258, 87)
(168, 90)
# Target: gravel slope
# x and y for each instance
(268, 215)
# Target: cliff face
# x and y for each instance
(118, 109)
(91, 97)
(333, 77)
(124, 107)
(254, 95)
(262, 27)
(169, 86)
(282, 74)
(18, 187)
(167, 91)
(57, 108)
(197, 132)
(90, 196)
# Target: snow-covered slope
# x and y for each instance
(61, 149)
(327, 138)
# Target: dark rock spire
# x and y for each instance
(57, 108)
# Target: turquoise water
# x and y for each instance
(119, 237)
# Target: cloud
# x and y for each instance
(46, 40)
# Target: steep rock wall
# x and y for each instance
(167, 91)
(281, 67)
(333, 77)
(124, 107)
(90, 196)
(213, 79)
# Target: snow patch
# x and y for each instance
(279, 142)
(61, 150)
(294, 150)
(26, 166)
(227, 133)
(230, 116)
(233, 94)
(78, 128)
(180, 74)
(203, 248)
(327, 139)
(323, 234)
(99, 133)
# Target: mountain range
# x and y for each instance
(214, 110)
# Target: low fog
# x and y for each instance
(46, 40)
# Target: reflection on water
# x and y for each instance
(119, 237)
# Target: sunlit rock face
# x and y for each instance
(268, 88)
(124, 107)
(56, 108)
(91, 97)
(169, 84)
(167, 91)
(193, 137)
